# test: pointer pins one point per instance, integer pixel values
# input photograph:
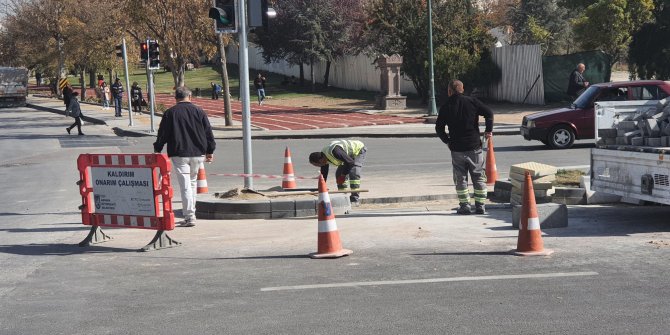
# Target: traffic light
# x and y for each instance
(119, 50)
(224, 15)
(260, 13)
(154, 55)
(144, 51)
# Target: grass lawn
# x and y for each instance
(203, 76)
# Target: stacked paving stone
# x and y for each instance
(649, 126)
(543, 176)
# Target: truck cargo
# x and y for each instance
(13, 86)
(632, 154)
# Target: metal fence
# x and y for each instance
(521, 80)
(349, 72)
(521, 67)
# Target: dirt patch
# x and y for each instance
(273, 193)
(568, 178)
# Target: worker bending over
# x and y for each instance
(348, 156)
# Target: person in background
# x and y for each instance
(259, 84)
(106, 95)
(187, 132)
(117, 94)
(577, 84)
(136, 96)
(75, 112)
(461, 115)
(348, 156)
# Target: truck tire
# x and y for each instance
(561, 137)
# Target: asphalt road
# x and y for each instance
(413, 271)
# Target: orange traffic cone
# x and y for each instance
(202, 180)
(530, 242)
(288, 181)
(491, 168)
(329, 245)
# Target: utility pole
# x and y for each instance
(244, 93)
(432, 109)
(150, 88)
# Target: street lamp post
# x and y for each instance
(433, 108)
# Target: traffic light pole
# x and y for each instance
(125, 66)
(244, 93)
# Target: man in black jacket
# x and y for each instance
(577, 83)
(461, 115)
(190, 141)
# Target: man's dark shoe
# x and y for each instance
(68, 130)
(464, 209)
(81, 134)
(480, 209)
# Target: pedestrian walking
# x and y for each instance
(187, 132)
(259, 84)
(106, 95)
(349, 157)
(117, 94)
(136, 96)
(75, 112)
(461, 115)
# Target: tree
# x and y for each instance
(541, 22)
(180, 26)
(461, 40)
(306, 31)
(609, 25)
(649, 53)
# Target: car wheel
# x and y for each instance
(561, 137)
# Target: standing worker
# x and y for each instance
(117, 94)
(348, 156)
(461, 115)
(190, 141)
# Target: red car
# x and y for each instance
(559, 128)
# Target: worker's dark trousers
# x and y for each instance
(471, 162)
(353, 180)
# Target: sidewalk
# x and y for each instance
(142, 124)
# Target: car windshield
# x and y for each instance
(586, 99)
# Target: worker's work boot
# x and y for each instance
(480, 209)
(464, 209)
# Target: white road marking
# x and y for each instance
(430, 280)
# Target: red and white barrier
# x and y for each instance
(126, 191)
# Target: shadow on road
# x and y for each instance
(57, 249)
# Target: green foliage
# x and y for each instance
(649, 53)
(541, 22)
(609, 25)
(310, 30)
(459, 37)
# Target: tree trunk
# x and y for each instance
(111, 77)
(228, 111)
(83, 85)
(92, 80)
(178, 72)
(302, 75)
(311, 73)
(327, 75)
